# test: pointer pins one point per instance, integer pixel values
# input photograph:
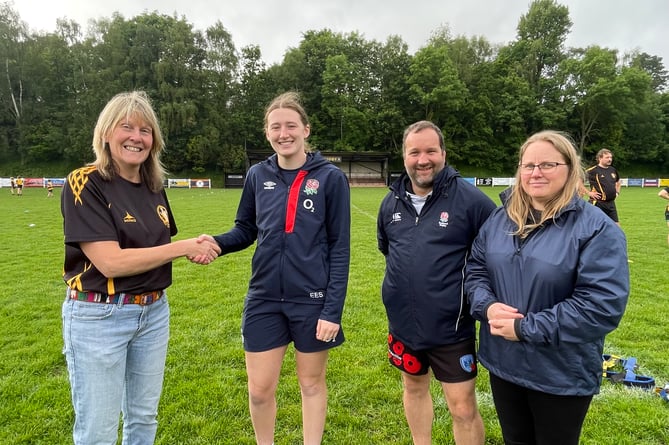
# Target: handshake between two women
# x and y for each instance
(204, 250)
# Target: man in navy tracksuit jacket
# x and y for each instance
(426, 225)
(425, 259)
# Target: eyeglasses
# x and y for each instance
(544, 167)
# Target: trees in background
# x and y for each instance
(360, 93)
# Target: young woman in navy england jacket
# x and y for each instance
(548, 279)
(303, 232)
(296, 205)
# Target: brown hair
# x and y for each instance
(292, 101)
(601, 153)
(422, 125)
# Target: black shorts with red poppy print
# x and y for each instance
(452, 363)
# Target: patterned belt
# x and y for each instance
(95, 297)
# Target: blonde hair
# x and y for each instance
(519, 206)
(122, 106)
(292, 101)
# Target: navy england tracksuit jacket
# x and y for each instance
(302, 231)
(425, 259)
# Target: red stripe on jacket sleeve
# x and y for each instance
(291, 209)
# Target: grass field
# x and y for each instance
(204, 399)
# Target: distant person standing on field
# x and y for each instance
(19, 185)
(49, 188)
(12, 184)
(604, 184)
(664, 194)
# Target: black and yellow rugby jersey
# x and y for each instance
(603, 180)
(118, 210)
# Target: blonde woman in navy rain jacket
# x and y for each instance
(548, 279)
(297, 205)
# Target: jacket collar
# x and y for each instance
(314, 160)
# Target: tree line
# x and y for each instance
(360, 93)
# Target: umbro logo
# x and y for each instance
(269, 185)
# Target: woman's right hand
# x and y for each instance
(501, 311)
(501, 320)
(203, 249)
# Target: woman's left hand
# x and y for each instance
(503, 327)
(326, 330)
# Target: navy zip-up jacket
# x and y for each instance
(425, 259)
(303, 233)
(570, 280)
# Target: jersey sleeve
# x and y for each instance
(86, 214)
(338, 223)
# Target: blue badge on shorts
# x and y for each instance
(467, 363)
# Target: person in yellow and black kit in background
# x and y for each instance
(604, 184)
(664, 194)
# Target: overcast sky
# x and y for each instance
(275, 26)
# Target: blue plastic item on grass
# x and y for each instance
(628, 376)
(663, 392)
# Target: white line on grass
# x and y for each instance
(372, 217)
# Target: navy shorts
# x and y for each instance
(452, 363)
(269, 324)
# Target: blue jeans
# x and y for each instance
(116, 360)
